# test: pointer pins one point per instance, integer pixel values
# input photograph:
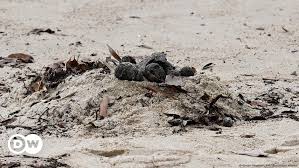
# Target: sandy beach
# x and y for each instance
(253, 47)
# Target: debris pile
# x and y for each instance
(39, 31)
(151, 97)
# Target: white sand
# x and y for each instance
(217, 31)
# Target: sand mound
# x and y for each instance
(135, 107)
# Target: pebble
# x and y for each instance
(228, 122)
(187, 71)
(175, 122)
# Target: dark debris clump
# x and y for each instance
(154, 69)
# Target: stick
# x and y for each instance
(104, 107)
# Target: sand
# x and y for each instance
(244, 39)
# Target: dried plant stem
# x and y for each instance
(104, 107)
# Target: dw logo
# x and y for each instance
(18, 144)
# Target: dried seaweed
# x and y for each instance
(17, 60)
(39, 31)
(24, 58)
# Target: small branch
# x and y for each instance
(104, 107)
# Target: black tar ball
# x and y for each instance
(187, 71)
(128, 59)
(154, 73)
(160, 58)
(128, 71)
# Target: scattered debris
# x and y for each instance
(205, 97)
(289, 112)
(247, 135)
(208, 66)
(54, 74)
(284, 29)
(241, 97)
(272, 97)
(255, 118)
(260, 28)
(135, 17)
(37, 85)
(93, 54)
(77, 44)
(24, 58)
(10, 164)
(275, 103)
(11, 161)
(247, 47)
(40, 31)
(177, 120)
(269, 80)
(253, 153)
(294, 73)
(145, 46)
(291, 116)
(72, 66)
(17, 60)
